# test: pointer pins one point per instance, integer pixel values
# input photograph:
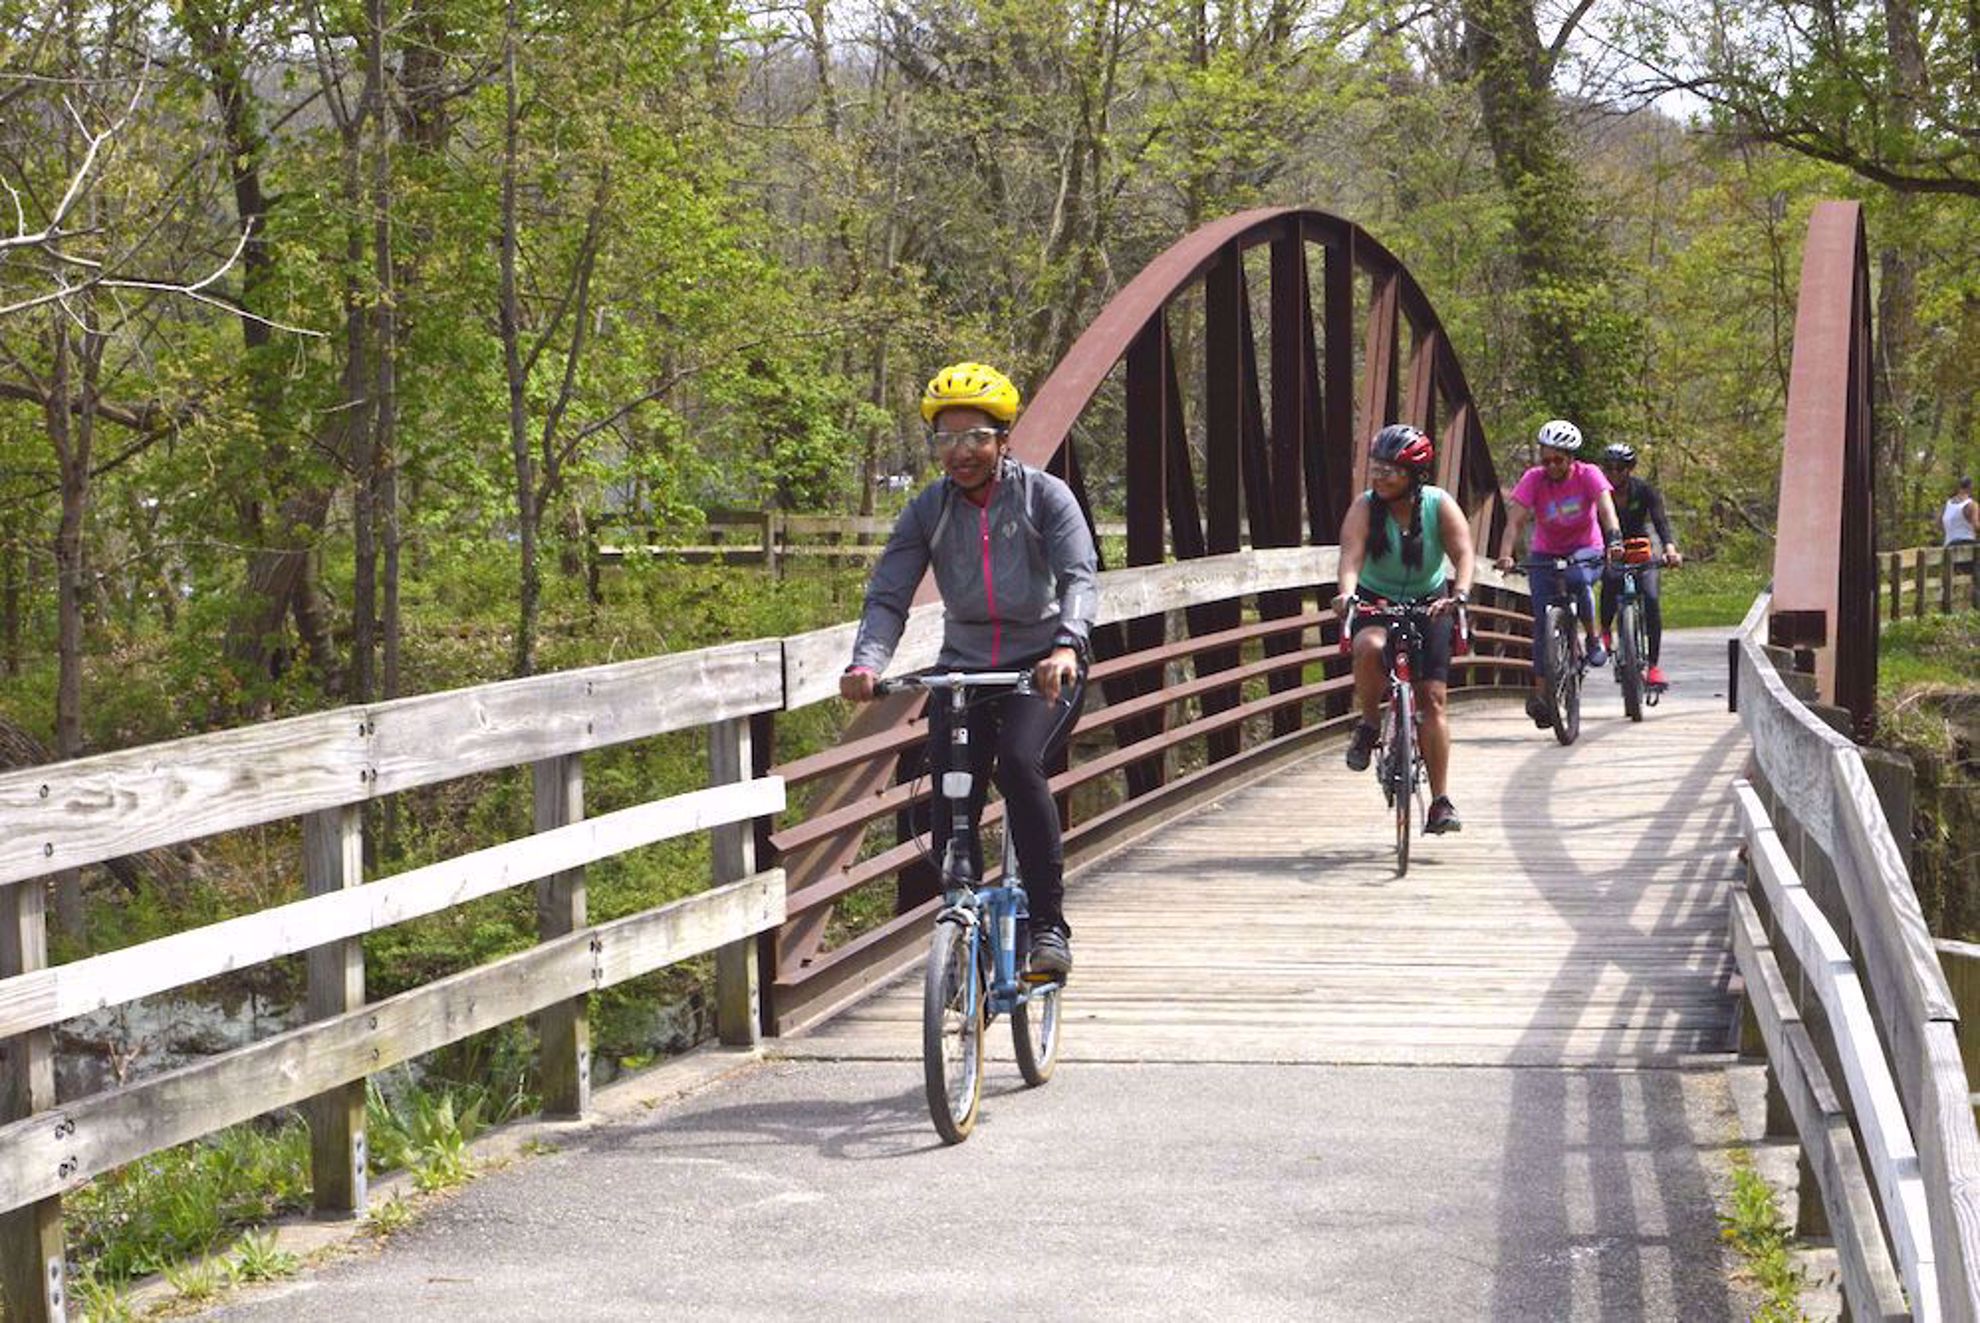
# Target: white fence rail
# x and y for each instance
(1831, 883)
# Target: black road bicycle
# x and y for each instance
(1563, 656)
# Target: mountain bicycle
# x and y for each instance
(1632, 630)
(1562, 654)
(977, 954)
(1632, 635)
(1399, 765)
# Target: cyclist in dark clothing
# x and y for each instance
(1640, 508)
(1015, 562)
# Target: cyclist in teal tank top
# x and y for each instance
(1395, 542)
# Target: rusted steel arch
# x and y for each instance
(1316, 402)
(1286, 467)
(1825, 564)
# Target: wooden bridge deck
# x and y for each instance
(1579, 918)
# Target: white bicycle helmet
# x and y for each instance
(1560, 434)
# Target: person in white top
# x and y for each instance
(1961, 517)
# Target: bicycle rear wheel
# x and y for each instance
(1629, 659)
(953, 1007)
(1563, 680)
(1035, 1032)
(1399, 766)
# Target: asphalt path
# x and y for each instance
(1115, 1191)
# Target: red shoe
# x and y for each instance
(1655, 676)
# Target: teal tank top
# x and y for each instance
(1387, 575)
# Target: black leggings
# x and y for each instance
(1653, 606)
(1023, 733)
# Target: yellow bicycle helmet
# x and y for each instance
(970, 386)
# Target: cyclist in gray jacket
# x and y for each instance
(1015, 562)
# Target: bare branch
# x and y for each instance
(52, 232)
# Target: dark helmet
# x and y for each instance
(1399, 443)
(1620, 455)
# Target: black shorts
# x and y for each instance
(1435, 661)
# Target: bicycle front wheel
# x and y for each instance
(1035, 1032)
(1563, 679)
(1629, 659)
(1401, 767)
(953, 1008)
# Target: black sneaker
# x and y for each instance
(1361, 745)
(1050, 953)
(1443, 817)
(1536, 707)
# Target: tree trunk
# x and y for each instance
(13, 573)
(385, 334)
(529, 588)
(1555, 242)
(1898, 507)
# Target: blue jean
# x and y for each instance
(1584, 567)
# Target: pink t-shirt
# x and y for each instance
(1564, 512)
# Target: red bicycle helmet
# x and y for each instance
(1399, 443)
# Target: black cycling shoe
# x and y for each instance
(1051, 955)
(1443, 817)
(1361, 746)
(1536, 707)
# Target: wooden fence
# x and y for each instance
(1845, 991)
(323, 769)
(1934, 576)
(1246, 672)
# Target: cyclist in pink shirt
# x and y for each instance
(1573, 516)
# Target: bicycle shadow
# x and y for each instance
(875, 1128)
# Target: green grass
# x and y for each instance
(1763, 1240)
(1933, 650)
(173, 1212)
(1711, 593)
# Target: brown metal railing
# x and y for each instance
(844, 845)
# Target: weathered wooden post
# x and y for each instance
(31, 1273)
(732, 851)
(563, 1030)
(333, 859)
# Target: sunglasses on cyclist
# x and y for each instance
(971, 438)
(975, 438)
(1377, 469)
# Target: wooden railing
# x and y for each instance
(1930, 578)
(1845, 991)
(323, 769)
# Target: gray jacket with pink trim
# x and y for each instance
(1017, 575)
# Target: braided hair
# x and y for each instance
(1379, 520)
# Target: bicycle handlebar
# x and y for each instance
(1583, 557)
(950, 681)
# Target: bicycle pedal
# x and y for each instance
(1038, 978)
